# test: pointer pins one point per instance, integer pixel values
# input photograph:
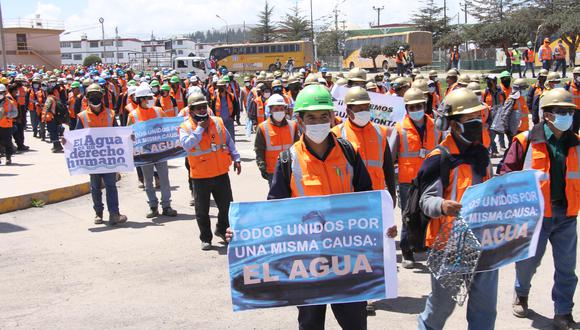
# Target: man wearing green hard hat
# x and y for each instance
(320, 164)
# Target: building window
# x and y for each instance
(200, 47)
(119, 43)
(107, 43)
(107, 55)
(179, 42)
(119, 55)
(65, 44)
(66, 56)
(78, 57)
(76, 44)
(180, 52)
(181, 64)
(94, 44)
(21, 41)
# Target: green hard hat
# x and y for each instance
(75, 84)
(154, 83)
(174, 80)
(226, 78)
(313, 98)
(132, 83)
(504, 74)
(165, 87)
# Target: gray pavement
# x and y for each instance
(59, 271)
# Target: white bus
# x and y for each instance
(199, 66)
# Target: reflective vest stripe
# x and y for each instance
(454, 184)
(575, 175)
(528, 157)
(270, 147)
(207, 151)
(296, 171)
(372, 163)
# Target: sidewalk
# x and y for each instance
(38, 174)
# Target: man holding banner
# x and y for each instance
(146, 111)
(469, 164)
(553, 148)
(97, 116)
(210, 152)
(321, 164)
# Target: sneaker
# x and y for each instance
(192, 202)
(205, 246)
(154, 213)
(220, 235)
(408, 264)
(99, 218)
(168, 211)
(8, 161)
(23, 148)
(371, 310)
(117, 219)
(141, 185)
(564, 322)
(520, 306)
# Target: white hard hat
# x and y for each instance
(2, 88)
(276, 99)
(322, 81)
(193, 89)
(131, 90)
(143, 79)
(301, 70)
(69, 76)
(214, 79)
(143, 91)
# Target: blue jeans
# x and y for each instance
(546, 64)
(52, 129)
(403, 197)
(481, 304)
(34, 121)
(163, 173)
(110, 180)
(560, 230)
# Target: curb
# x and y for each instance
(22, 202)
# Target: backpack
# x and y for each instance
(413, 217)
(61, 113)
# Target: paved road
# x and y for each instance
(60, 271)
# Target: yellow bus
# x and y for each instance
(263, 56)
(421, 42)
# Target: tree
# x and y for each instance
(392, 49)
(295, 26)
(371, 51)
(91, 60)
(487, 11)
(430, 18)
(265, 30)
(453, 37)
(565, 23)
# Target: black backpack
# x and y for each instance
(61, 113)
(413, 217)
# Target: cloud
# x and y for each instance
(47, 11)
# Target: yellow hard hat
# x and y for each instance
(94, 88)
(276, 83)
(463, 80)
(196, 99)
(557, 97)
(475, 87)
(553, 77)
(543, 73)
(452, 73)
(462, 101)
(520, 82)
(576, 70)
(341, 82)
(432, 73)
(371, 85)
(357, 74)
(414, 96)
(421, 84)
(311, 79)
(357, 95)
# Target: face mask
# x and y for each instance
(471, 130)
(317, 133)
(417, 115)
(278, 115)
(379, 84)
(557, 86)
(577, 79)
(35, 86)
(247, 84)
(277, 90)
(267, 94)
(2, 96)
(362, 118)
(150, 104)
(431, 89)
(200, 118)
(480, 98)
(95, 100)
(563, 122)
(155, 89)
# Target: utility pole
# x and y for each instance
(336, 28)
(311, 22)
(445, 13)
(378, 9)
(4, 64)
(102, 20)
(117, 44)
(244, 33)
(500, 10)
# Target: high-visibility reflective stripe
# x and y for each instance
(135, 116)
(454, 185)
(207, 151)
(380, 146)
(85, 119)
(296, 171)
(374, 163)
(405, 141)
(270, 147)
(575, 175)
(528, 157)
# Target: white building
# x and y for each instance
(110, 50)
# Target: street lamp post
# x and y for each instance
(4, 64)
(102, 20)
(227, 28)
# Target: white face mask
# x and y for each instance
(278, 115)
(362, 118)
(431, 89)
(267, 94)
(150, 104)
(317, 133)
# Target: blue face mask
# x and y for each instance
(417, 115)
(563, 122)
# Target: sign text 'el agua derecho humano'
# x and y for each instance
(99, 150)
(312, 250)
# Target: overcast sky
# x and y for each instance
(138, 18)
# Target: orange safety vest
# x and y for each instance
(400, 57)
(9, 109)
(520, 105)
(575, 94)
(104, 118)
(314, 177)
(530, 57)
(139, 114)
(459, 179)
(546, 51)
(278, 139)
(410, 145)
(488, 98)
(39, 97)
(21, 97)
(260, 112)
(71, 105)
(561, 52)
(178, 97)
(371, 141)
(451, 88)
(486, 139)
(454, 55)
(48, 114)
(168, 105)
(506, 90)
(211, 157)
(218, 103)
(538, 158)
